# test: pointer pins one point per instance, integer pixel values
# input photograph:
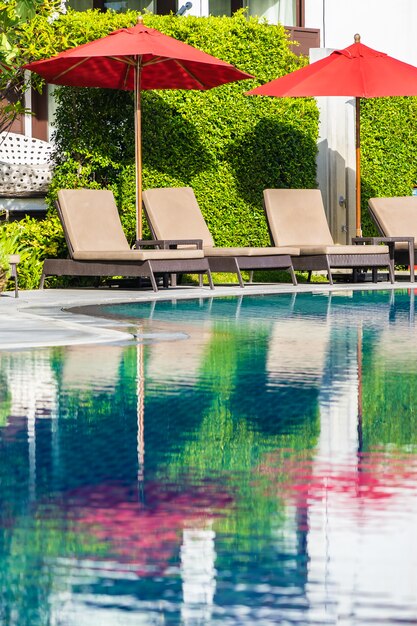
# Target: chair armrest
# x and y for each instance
(146, 243)
(167, 244)
(376, 240)
(174, 243)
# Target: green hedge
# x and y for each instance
(225, 145)
(388, 150)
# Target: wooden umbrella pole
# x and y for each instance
(138, 148)
(358, 168)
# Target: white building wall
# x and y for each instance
(384, 25)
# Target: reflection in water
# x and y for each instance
(258, 465)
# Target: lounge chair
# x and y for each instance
(174, 213)
(396, 220)
(98, 246)
(296, 217)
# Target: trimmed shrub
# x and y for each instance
(388, 150)
(225, 145)
(34, 240)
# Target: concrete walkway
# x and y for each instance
(44, 317)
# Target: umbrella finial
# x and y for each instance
(140, 19)
(357, 38)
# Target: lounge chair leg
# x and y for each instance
(42, 281)
(309, 276)
(152, 278)
(391, 272)
(251, 276)
(293, 276)
(200, 280)
(210, 279)
(239, 275)
(329, 272)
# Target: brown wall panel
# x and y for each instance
(40, 115)
(306, 37)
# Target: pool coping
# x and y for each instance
(55, 317)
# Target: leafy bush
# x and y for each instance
(33, 240)
(389, 146)
(227, 146)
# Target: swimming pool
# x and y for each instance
(252, 460)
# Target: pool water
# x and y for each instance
(252, 461)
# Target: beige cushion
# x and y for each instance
(138, 255)
(174, 214)
(397, 217)
(92, 220)
(297, 216)
(340, 249)
(250, 251)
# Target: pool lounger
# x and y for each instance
(174, 214)
(98, 246)
(396, 220)
(297, 217)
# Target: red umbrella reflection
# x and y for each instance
(377, 476)
(147, 535)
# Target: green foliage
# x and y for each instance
(225, 145)
(13, 243)
(14, 15)
(34, 241)
(388, 149)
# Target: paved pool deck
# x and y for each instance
(45, 317)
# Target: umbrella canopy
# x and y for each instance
(356, 71)
(133, 59)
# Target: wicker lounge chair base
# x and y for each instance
(343, 261)
(259, 263)
(148, 269)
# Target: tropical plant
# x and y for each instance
(14, 14)
(12, 243)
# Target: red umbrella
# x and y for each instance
(355, 71)
(134, 59)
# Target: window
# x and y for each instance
(282, 11)
(287, 12)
